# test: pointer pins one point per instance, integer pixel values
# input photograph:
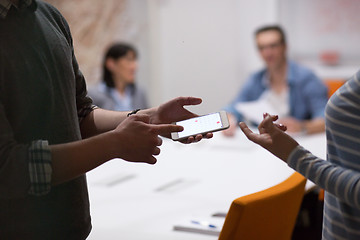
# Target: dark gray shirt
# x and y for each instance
(42, 92)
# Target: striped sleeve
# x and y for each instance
(341, 182)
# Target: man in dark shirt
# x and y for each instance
(51, 134)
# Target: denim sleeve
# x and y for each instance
(317, 93)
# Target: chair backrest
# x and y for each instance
(268, 214)
(333, 85)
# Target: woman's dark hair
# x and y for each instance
(115, 52)
(276, 28)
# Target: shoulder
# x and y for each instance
(53, 15)
(300, 71)
(48, 9)
(302, 75)
(46, 6)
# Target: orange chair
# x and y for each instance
(269, 214)
(333, 85)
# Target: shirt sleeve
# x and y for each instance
(341, 182)
(84, 103)
(14, 171)
(317, 94)
(40, 169)
(24, 168)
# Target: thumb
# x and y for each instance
(166, 129)
(268, 125)
(183, 101)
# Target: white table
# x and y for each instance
(138, 201)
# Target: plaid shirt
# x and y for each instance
(39, 154)
(5, 6)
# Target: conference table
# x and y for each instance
(137, 201)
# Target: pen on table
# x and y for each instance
(203, 223)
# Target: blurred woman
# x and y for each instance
(118, 90)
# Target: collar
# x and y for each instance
(5, 6)
(265, 81)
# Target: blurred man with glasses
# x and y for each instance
(296, 94)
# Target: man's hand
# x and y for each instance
(271, 137)
(137, 140)
(230, 132)
(173, 111)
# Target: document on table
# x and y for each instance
(208, 225)
(253, 111)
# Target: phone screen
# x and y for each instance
(200, 124)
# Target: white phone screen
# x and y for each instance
(200, 124)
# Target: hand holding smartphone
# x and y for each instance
(201, 125)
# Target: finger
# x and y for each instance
(151, 160)
(156, 151)
(159, 143)
(190, 140)
(268, 123)
(198, 137)
(166, 129)
(246, 130)
(256, 138)
(282, 127)
(183, 101)
(209, 135)
(274, 117)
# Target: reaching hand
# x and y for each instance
(271, 137)
(173, 111)
(230, 132)
(137, 140)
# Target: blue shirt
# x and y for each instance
(109, 98)
(308, 95)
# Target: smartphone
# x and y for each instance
(201, 125)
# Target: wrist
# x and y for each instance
(133, 112)
(153, 115)
(115, 142)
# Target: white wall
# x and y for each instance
(206, 48)
(203, 48)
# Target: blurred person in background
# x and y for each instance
(118, 90)
(296, 94)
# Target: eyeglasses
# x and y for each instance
(269, 46)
